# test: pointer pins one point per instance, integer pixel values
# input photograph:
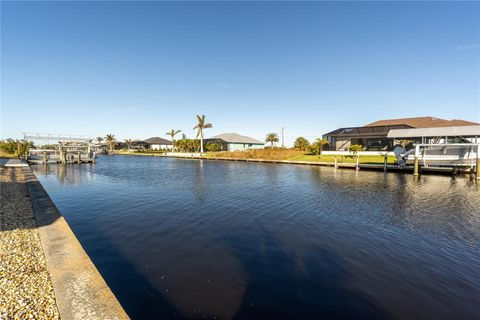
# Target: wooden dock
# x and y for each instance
(65, 156)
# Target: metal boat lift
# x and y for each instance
(455, 155)
(68, 148)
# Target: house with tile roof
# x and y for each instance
(157, 143)
(235, 142)
(375, 135)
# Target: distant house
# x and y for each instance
(235, 142)
(375, 135)
(157, 143)
(138, 145)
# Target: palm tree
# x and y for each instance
(99, 140)
(128, 142)
(199, 127)
(172, 133)
(110, 139)
(271, 137)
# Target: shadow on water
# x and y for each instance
(283, 283)
(135, 293)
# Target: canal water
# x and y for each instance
(194, 239)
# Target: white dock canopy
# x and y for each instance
(457, 131)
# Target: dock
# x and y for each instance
(58, 148)
(62, 155)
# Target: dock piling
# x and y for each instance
(385, 160)
(357, 165)
(415, 167)
(477, 169)
(415, 163)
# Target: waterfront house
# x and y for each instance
(375, 135)
(157, 143)
(137, 145)
(235, 142)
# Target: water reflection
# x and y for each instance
(245, 240)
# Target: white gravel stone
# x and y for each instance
(26, 291)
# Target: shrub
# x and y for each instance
(188, 145)
(355, 148)
(18, 147)
(9, 145)
(212, 147)
(317, 147)
(301, 143)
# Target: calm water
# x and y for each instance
(202, 239)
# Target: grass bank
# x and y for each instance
(4, 154)
(296, 155)
(266, 154)
(279, 154)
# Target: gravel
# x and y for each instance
(26, 290)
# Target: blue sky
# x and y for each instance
(139, 69)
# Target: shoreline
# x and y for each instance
(79, 291)
(443, 170)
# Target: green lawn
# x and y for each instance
(370, 159)
(345, 159)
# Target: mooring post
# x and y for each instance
(63, 156)
(79, 157)
(335, 161)
(385, 159)
(44, 157)
(477, 169)
(415, 164)
(357, 165)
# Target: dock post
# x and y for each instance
(357, 165)
(44, 157)
(63, 156)
(477, 169)
(415, 163)
(335, 162)
(385, 159)
(79, 157)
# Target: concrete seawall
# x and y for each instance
(79, 289)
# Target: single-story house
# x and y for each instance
(157, 143)
(235, 142)
(137, 145)
(375, 135)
